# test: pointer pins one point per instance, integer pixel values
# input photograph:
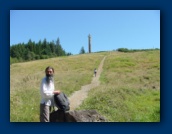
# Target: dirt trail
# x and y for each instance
(77, 97)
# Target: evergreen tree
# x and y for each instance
(39, 48)
(82, 51)
(14, 53)
(43, 47)
(30, 45)
(52, 47)
(59, 50)
(31, 50)
(47, 49)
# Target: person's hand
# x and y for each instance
(57, 92)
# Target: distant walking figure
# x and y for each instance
(95, 72)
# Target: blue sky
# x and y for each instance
(109, 29)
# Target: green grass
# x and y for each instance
(24, 106)
(70, 74)
(129, 89)
(124, 104)
(146, 107)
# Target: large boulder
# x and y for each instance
(77, 116)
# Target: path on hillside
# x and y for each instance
(78, 96)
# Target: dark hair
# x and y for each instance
(49, 67)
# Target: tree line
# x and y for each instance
(135, 50)
(34, 51)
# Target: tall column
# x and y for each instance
(89, 43)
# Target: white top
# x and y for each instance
(46, 91)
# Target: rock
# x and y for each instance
(76, 116)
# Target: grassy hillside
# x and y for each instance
(70, 74)
(129, 90)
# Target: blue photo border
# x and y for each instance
(163, 126)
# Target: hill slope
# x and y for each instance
(129, 85)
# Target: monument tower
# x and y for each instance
(89, 43)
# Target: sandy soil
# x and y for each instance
(77, 97)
